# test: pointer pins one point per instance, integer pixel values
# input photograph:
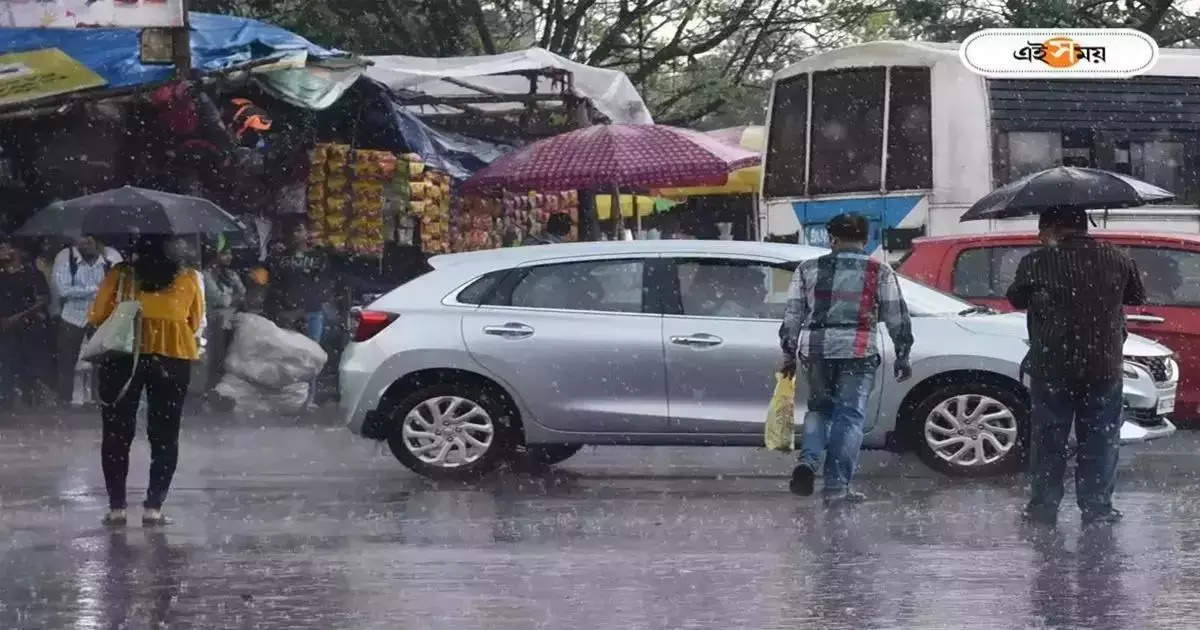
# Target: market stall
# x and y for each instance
(608, 158)
(133, 126)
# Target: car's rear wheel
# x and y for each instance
(971, 429)
(452, 431)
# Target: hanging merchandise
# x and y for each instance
(429, 204)
(359, 199)
(397, 215)
(329, 196)
(372, 172)
(435, 221)
(487, 222)
(477, 225)
(527, 214)
(348, 191)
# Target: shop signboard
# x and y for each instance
(35, 74)
(90, 13)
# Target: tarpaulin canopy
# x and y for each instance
(610, 91)
(383, 123)
(218, 42)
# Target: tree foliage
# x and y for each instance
(1170, 22)
(697, 62)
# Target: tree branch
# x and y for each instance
(473, 9)
(574, 23)
(625, 18)
(674, 50)
(1152, 20)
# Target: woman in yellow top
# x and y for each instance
(172, 303)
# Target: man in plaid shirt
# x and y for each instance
(834, 305)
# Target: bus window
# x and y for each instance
(847, 130)
(787, 138)
(1146, 126)
(1032, 151)
(1160, 163)
(910, 143)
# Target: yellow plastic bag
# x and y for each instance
(779, 434)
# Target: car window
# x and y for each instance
(601, 285)
(478, 292)
(1163, 273)
(715, 287)
(987, 272)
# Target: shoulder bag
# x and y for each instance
(120, 336)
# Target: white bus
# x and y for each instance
(903, 133)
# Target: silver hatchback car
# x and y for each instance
(536, 351)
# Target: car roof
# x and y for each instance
(995, 237)
(486, 260)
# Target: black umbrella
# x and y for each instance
(130, 211)
(1067, 188)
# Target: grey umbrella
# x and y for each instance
(130, 211)
(1066, 188)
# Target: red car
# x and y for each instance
(980, 268)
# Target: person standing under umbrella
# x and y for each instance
(1074, 289)
(172, 309)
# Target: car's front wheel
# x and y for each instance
(451, 431)
(971, 429)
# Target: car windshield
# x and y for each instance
(925, 301)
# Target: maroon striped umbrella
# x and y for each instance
(602, 157)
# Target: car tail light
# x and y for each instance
(370, 323)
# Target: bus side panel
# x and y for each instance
(882, 212)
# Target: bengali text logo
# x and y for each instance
(1074, 53)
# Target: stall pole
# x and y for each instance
(756, 219)
(614, 207)
(181, 47)
(637, 217)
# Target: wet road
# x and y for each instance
(286, 525)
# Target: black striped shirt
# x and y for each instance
(1074, 293)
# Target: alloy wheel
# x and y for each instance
(448, 431)
(970, 430)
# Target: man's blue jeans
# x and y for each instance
(314, 328)
(838, 390)
(1095, 410)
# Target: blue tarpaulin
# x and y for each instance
(384, 124)
(218, 42)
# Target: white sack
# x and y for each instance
(269, 356)
(252, 399)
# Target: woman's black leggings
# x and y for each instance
(165, 380)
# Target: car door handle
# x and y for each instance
(1146, 319)
(699, 340)
(511, 330)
